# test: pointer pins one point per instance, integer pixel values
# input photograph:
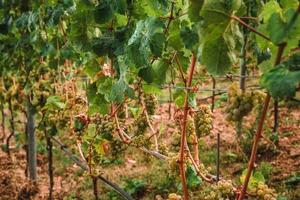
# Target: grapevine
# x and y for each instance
(104, 77)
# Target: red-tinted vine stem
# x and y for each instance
(183, 133)
(258, 134)
(249, 27)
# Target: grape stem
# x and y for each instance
(249, 27)
(183, 133)
(150, 124)
(180, 69)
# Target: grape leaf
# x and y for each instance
(118, 89)
(160, 68)
(284, 27)
(54, 103)
(219, 35)
(217, 56)
(190, 38)
(97, 102)
(193, 180)
(147, 40)
(268, 9)
(103, 12)
(194, 10)
(283, 80)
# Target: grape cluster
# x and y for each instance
(60, 118)
(104, 125)
(173, 164)
(222, 190)
(150, 103)
(175, 142)
(140, 141)
(139, 126)
(174, 196)
(116, 146)
(190, 127)
(239, 104)
(263, 192)
(203, 121)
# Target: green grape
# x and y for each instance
(104, 125)
(190, 127)
(117, 146)
(174, 196)
(240, 104)
(140, 141)
(203, 121)
(175, 142)
(150, 103)
(263, 192)
(139, 126)
(173, 164)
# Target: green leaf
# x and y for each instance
(284, 27)
(268, 9)
(151, 89)
(146, 41)
(190, 38)
(78, 125)
(97, 102)
(218, 12)
(194, 10)
(255, 178)
(118, 90)
(147, 74)
(217, 56)
(92, 68)
(104, 86)
(174, 39)
(53, 103)
(193, 180)
(283, 80)
(103, 12)
(160, 68)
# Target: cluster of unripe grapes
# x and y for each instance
(174, 196)
(139, 126)
(150, 103)
(263, 192)
(222, 190)
(175, 142)
(104, 124)
(60, 118)
(140, 141)
(203, 121)
(240, 103)
(173, 164)
(116, 146)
